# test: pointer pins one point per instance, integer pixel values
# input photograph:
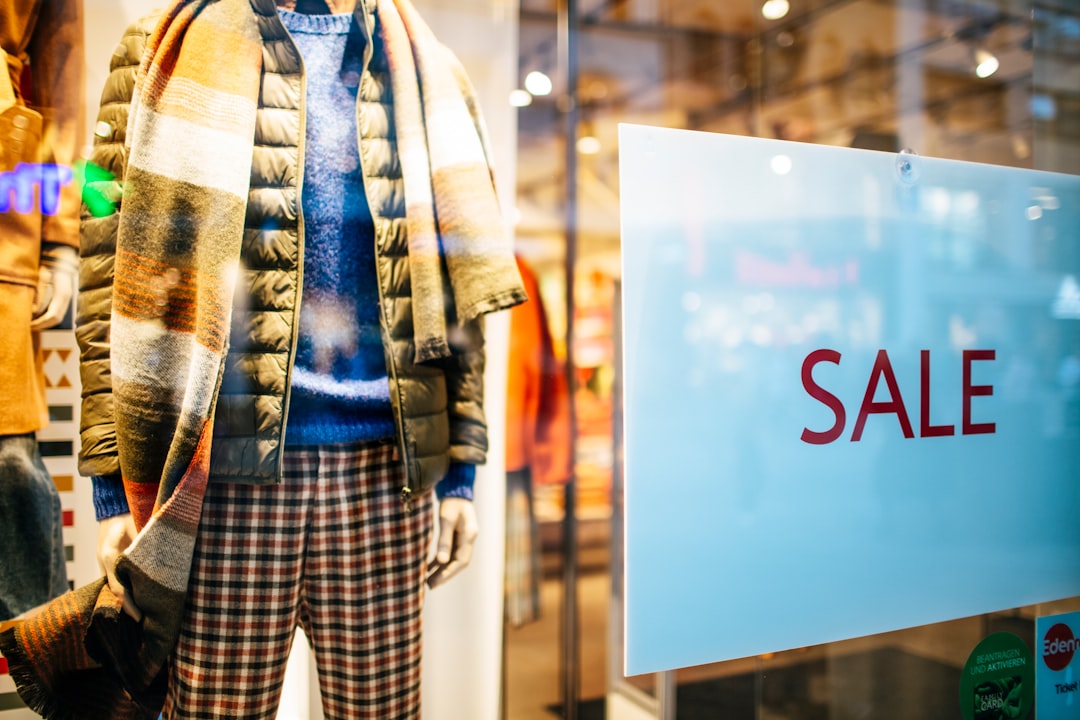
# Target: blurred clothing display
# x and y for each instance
(538, 445)
(41, 99)
(537, 401)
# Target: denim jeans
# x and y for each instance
(33, 568)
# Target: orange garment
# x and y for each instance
(537, 401)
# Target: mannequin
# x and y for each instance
(334, 535)
(39, 130)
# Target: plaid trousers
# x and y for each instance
(330, 548)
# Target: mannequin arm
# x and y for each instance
(458, 530)
(56, 285)
(114, 536)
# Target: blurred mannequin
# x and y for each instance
(41, 82)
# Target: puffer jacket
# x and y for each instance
(438, 407)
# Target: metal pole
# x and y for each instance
(665, 694)
(568, 28)
(616, 646)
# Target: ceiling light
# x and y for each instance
(986, 63)
(520, 98)
(538, 83)
(588, 145)
(775, 9)
(1021, 148)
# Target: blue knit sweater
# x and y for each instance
(340, 391)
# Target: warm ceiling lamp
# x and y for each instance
(775, 9)
(538, 83)
(520, 98)
(588, 145)
(986, 63)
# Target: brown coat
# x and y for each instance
(44, 39)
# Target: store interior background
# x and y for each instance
(877, 74)
(990, 81)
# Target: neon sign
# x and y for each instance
(17, 187)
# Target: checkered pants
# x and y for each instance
(331, 548)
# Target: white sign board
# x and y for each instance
(852, 386)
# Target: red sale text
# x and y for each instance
(882, 373)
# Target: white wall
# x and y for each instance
(463, 620)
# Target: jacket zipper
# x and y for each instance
(299, 254)
(399, 422)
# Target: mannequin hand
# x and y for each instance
(457, 533)
(114, 535)
(56, 284)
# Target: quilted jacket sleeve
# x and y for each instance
(464, 371)
(99, 221)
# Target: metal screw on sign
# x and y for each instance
(908, 168)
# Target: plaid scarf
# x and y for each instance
(190, 142)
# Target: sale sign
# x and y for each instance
(852, 393)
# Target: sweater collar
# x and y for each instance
(336, 7)
(363, 8)
(364, 13)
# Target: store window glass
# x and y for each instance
(985, 81)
